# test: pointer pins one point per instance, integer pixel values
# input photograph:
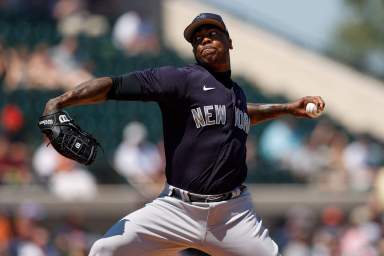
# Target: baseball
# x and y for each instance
(312, 109)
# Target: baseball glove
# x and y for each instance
(68, 138)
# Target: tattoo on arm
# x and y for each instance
(89, 92)
(262, 112)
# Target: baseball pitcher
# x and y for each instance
(206, 120)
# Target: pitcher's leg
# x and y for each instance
(241, 240)
(159, 228)
(132, 241)
(238, 231)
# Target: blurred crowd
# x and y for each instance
(136, 159)
(14, 152)
(332, 231)
(43, 67)
(26, 232)
(61, 66)
(327, 157)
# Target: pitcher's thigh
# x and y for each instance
(242, 235)
(124, 238)
(243, 247)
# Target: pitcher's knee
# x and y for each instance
(118, 245)
(101, 248)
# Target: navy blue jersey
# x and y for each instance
(205, 124)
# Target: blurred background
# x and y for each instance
(318, 184)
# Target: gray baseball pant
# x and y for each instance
(168, 225)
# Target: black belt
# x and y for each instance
(192, 197)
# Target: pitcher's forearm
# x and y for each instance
(89, 92)
(263, 112)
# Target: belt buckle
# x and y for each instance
(212, 198)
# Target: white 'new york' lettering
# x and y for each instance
(242, 120)
(205, 117)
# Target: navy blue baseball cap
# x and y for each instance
(204, 19)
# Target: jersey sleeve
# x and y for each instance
(155, 84)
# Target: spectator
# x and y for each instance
(319, 158)
(133, 35)
(362, 235)
(72, 182)
(27, 230)
(42, 72)
(310, 157)
(325, 241)
(69, 68)
(356, 161)
(18, 169)
(14, 168)
(5, 232)
(277, 141)
(3, 61)
(83, 23)
(4, 155)
(72, 237)
(65, 8)
(379, 189)
(12, 121)
(335, 176)
(138, 160)
(63, 55)
(299, 226)
(16, 68)
(45, 161)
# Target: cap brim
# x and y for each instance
(190, 30)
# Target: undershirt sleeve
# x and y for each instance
(156, 84)
(125, 87)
